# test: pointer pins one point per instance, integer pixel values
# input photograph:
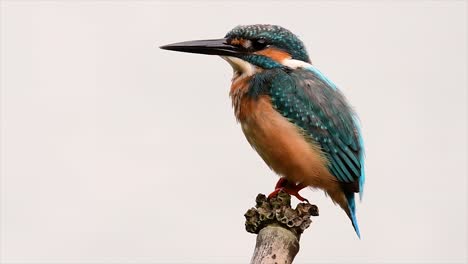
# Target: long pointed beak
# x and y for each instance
(209, 47)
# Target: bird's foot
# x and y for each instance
(290, 188)
(289, 191)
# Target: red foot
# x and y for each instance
(290, 188)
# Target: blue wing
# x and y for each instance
(311, 101)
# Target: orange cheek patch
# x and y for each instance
(237, 41)
(275, 54)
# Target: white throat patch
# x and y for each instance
(241, 67)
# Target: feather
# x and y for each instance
(312, 102)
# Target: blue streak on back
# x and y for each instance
(322, 77)
(362, 178)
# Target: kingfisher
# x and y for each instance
(295, 118)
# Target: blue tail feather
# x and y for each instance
(352, 212)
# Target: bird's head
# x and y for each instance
(251, 48)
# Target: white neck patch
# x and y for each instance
(294, 64)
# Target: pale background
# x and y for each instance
(114, 151)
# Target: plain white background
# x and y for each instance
(114, 151)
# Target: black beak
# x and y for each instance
(209, 46)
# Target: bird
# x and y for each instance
(293, 116)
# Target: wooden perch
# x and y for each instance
(279, 227)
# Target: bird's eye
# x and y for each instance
(259, 44)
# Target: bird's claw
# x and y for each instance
(289, 191)
(289, 188)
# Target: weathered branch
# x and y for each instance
(279, 227)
